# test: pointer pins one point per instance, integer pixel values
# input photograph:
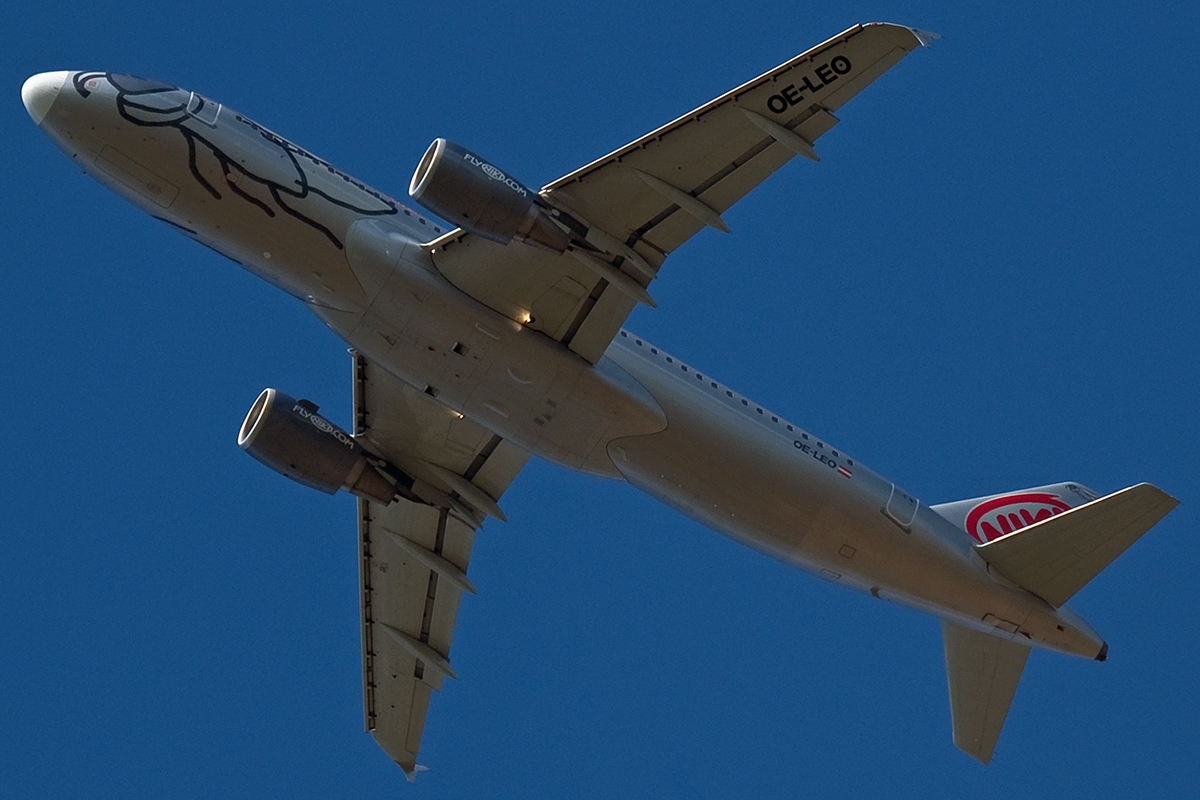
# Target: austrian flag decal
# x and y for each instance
(1004, 515)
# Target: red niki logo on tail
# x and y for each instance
(1004, 515)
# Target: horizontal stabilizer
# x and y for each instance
(983, 672)
(1056, 557)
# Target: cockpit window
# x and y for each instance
(203, 109)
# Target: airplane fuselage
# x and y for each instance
(354, 256)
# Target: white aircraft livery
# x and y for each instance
(477, 346)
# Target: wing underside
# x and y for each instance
(633, 207)
(413, 556)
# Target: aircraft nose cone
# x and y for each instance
(40, 92)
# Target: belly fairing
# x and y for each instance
(515, 381)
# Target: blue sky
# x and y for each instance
(988, 283)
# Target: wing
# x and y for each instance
(633, 207)
(413, 556)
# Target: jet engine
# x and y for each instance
(466, 190)
(291, 438)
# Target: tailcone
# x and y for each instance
(1073, 635)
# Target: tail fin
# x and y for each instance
(1051, 541)
(988, 518)
(983, 672)
(1056, 557)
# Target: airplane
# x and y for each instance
(501, 336)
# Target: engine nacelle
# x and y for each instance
(467, 191)
(291, 438)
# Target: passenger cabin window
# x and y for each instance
(728, 392)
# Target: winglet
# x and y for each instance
(412, 774)
(926, 38)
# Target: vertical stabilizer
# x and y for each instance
(983, 672)
(988, 518)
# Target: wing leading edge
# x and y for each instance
(633, 207)
(414, 557)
